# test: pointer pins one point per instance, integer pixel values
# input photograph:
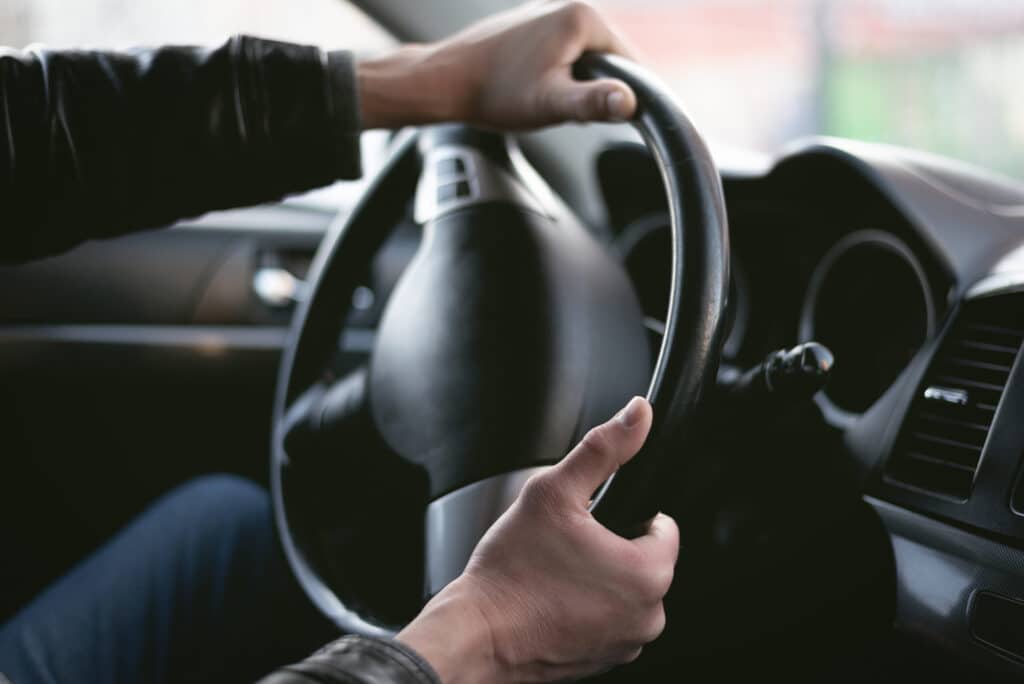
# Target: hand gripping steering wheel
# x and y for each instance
(509, 334)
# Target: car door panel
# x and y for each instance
(128, 366)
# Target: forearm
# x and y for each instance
(406, 87)
(453, 635)
(97, 144)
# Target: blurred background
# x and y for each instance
(938, 75)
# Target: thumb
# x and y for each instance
(661, 541)
(605, 99)
(603, 450)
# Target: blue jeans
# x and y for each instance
(194, 590)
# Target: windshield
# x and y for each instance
(121, 23)
(938, 75)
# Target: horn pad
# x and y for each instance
(509, 334)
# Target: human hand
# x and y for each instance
(511, 71)
(550, 593)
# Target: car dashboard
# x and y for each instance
(909, 268)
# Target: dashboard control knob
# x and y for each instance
(787, 374)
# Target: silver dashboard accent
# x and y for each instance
(1004, 282)
(834, 414)
(474, 179)
(456, 521)
(277, 287)
(948, 395)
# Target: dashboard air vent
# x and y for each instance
(940, 444)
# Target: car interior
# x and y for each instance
(843, 456)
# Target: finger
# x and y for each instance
(603, 450)
(605, 99)
(661, 541)
(592, 31)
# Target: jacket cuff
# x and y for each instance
(298, 114)
(359, 660)
(344, 112)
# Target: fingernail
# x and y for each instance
(629, 416)
(617, 106)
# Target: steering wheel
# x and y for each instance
(511, 332)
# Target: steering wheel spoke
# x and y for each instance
(326, 417)
(339, 471)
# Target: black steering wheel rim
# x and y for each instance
(690, 350)
(695, 327)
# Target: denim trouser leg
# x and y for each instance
(195, 590)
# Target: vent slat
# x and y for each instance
(944, 434)
(944, 450)
(918, 456)
(966, 424)
(961, 430)
(995, 354)
(981, 373)
(957, 382)
(996, 329)
(974, 364)
(933, 477)
(944, 441)
(987, 347)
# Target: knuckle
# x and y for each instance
(541, 493)
(655, 624)
(580, 111)
(576, 15)
(596, 441)
(654, 582)
(547, 103)
(649, 591)
(595, 103)
(661, 580)
(671, 527)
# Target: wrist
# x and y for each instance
(407, 87)
(455, 637)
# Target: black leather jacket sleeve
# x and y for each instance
(96, 144)
(358, 660)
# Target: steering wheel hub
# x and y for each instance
(508, 330)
